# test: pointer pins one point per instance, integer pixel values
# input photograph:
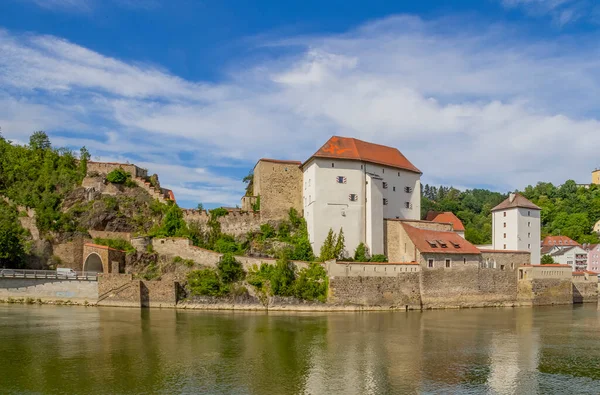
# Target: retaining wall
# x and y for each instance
(585, 289)
(236, 223)
(48, 289)
(125, 291)
(400, 291)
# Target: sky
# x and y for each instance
(495, 94)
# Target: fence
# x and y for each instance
(52, 274)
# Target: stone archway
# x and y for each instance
(93, 263)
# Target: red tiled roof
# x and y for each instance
(422, 237)
(584, 272)
(518, 200)
(350, 148)
(449, 217)
(549, 265)
(431, 214)
(559, 241)
(504, 251)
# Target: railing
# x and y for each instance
(51, 274)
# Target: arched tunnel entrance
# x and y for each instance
(93, 263)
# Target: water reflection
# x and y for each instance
(102, 350)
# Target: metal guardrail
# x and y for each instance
(50, 274)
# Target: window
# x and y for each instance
(408, 189)
(505, 213)
(398, 174)
(382, 170)
(505, 235)
(529, 213)
(501, 267)
(447, 263)
(408, 205)
(309, 182)
(340, 179)
(505, 224)
(332, 164)
(465, 261)
(384, 184)
(353, 197)
(430, 263)
(512, 265)
(505, 246)
(394, 189)
(385, 202)
(529, 246)
(361, 167)
(529, 235)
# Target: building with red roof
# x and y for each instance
(447, 217)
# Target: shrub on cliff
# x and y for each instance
(311, 283)
(230, 270)
(118, 176)
(206, 282)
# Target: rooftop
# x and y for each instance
(515, 200)
(285, 162)
(558, 241)
(449, 217)
(433, 241)
(353, 149)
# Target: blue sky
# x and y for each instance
(487, 93)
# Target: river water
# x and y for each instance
(89, 350)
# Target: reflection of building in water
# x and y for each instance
(375, 353)
(514, 357)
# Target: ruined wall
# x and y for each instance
(107, 167)
(102, 234)
(585, 289)
(400, 291)
(48, 289)
(466, 284)
(118, 290)
(279, 185)
(236, 223)
(183, 247)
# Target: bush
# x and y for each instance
(230, 270)
(311, 283)
(360, 254)
(152, 272)
(205, 282)
(218, 212)
(226, 244)
(256, 204)
(267, 231)
(186, 262)
(546, 260)
(118, 176)
(117, 244)
(379, 258)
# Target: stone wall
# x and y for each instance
(158, 293)
(400, 291)
(107, 167)
(119, 290)
(48, 289)
(279, 185)
(546, 291)
(113, 261)
(71, 253)
(236, 223)
(585, 288)
(175, 246)
(505, 260)
(369, 269)
(467, 284)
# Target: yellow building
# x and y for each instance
(596, 177)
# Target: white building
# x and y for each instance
(574, 256)
(353, 185)
(516, 226)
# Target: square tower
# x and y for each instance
(516, 226)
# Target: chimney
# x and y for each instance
(511, 197)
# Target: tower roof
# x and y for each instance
(515, 200)
(449, 217)
(353, 149)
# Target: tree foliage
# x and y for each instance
(118, 176)
(12, 250)
(249, 181)
(546, 260)
(360, 253)
(333, 247)
(230, 270)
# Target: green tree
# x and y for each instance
(11, 239)
(230, 270)
(360, 254)
(546, 260)
(339, 249)
(311, 283)
(118, 176)
(205, 282)
(249, 181)
(40, 141)
(328, 247)
(200, 207)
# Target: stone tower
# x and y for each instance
(516, 226)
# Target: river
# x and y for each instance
(90, 350)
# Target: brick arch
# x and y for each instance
(94, 263)
(112, 260)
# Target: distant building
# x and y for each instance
(597, 227)
(516, 226)
(593, 259)
(596, 177)
(354, 185)
(574, 256)
(558, 241)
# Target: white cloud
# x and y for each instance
(469, 106)
(88, 6)
(562, 12)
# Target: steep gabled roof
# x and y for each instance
(449, 217)
(353, 149)
(515, 200)
(433, 241)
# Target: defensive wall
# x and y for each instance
(107, 167)
(545, 284)
(182, 247)
(279, 185)
(124, 291)
(48, 289)
(585, 287)
(236, 223)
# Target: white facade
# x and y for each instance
(356, 196)
(517, 229)
(575, 256)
